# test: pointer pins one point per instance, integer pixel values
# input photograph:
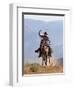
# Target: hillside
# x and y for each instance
(38, 69)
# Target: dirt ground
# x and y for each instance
(38, 69)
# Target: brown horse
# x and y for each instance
(45, 54)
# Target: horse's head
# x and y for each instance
(46, 49)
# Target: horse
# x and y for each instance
(45, 54)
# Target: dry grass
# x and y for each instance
(38, 69)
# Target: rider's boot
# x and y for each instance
(37, 50)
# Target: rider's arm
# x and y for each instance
(40, 35)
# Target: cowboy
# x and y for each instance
(44, 41)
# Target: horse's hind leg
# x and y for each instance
(42, 62)
(49, 60)
(46, 61)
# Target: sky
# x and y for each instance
(53, 25)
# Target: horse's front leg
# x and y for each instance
(48, 61)
(42, 60)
